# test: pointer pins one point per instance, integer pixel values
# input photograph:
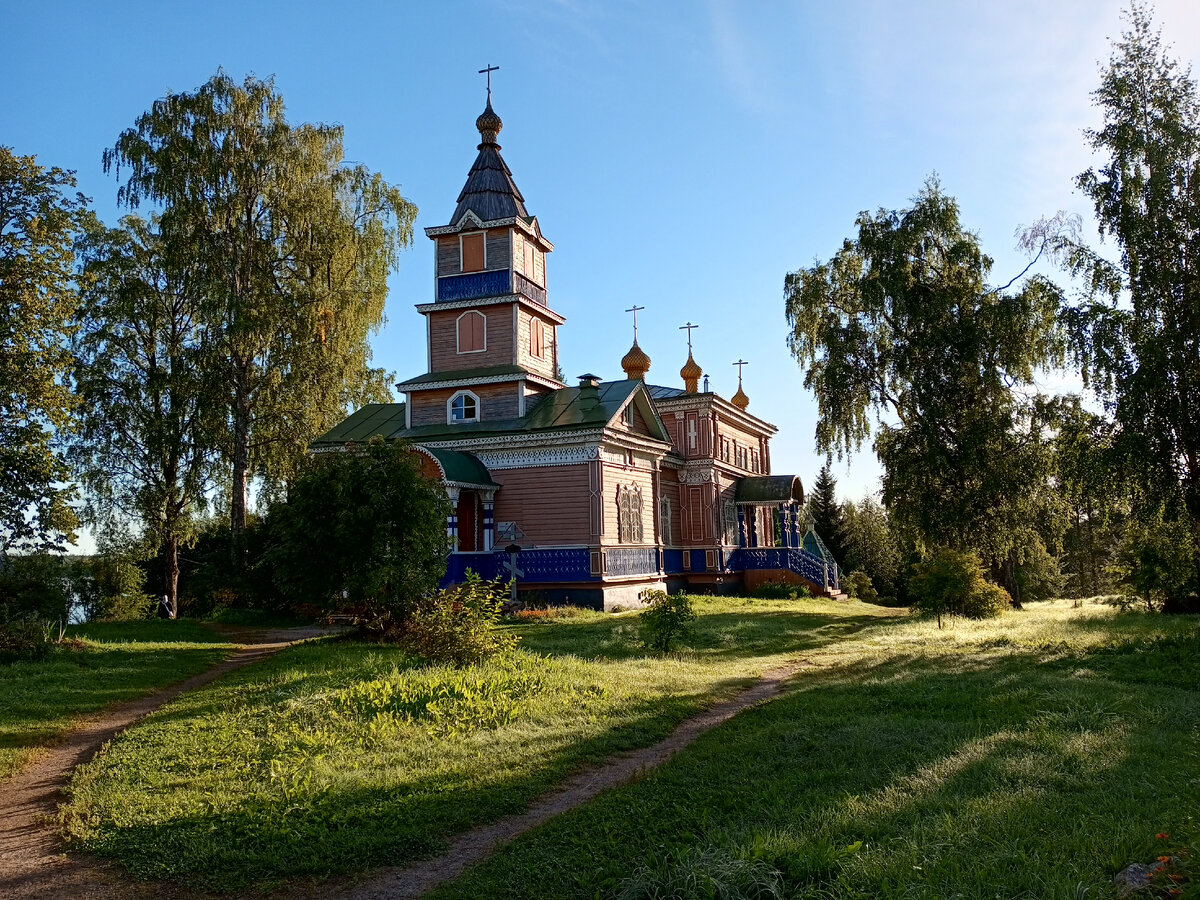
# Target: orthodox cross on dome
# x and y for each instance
(691, 371)
(688, 327)
(740, 400)
(488, 71)
(635, 310)
(635, 363)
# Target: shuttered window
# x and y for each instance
(537, 339)
(472, 253)
(472, 332)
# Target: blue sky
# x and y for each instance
(682, 156)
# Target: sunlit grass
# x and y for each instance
(1028, 756)
(342, 756)
(107, 663)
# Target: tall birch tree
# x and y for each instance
(144, 447)
(292, 247)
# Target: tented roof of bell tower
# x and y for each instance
(490, 191)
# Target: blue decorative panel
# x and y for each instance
(566, 564)
(698, 561)
(474, 284)
(673, 562)
(632, 561)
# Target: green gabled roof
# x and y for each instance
(562, 410)
(466, 375)
(768, 489)
(464, 468)
(374, 418)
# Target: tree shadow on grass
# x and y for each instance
(305, 829)
(1001, 775)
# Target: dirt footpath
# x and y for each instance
(32, 861)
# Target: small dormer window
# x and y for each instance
(462, 407)
(629, 415)
(473, 259)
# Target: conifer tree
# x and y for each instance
(826, 512)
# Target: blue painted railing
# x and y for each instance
(551, 564)
(474, 284)
(791, 559)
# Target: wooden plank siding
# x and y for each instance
(525, 357)
(443, 339)
(496, 401)
(548, 503)
(499, 254)
(447, 258)
(672, 535)
(617, 476)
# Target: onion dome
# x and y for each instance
(635, 363)
(690, 373)
(740, 400)
(489, 124)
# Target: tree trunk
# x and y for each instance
(1010, 575)
(240, 474)
(171, 573)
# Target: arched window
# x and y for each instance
(537, 339)
(462, 407)
(629, 514)
(472, 332)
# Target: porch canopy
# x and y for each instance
(769, 490)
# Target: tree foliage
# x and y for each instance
(902, 323)
(149, 420)
(1136, 334)
(38, 225)
(870, 546)
(291, 248)
(826, 513)
(361, 529)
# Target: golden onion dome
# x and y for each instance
(740, 400)
(489, 124)
(635, 363)
(690, 373)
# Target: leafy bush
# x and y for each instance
(1155, 561)
(23, 635)
(456, 625)
(666, 618)
(951, 582)
(858, 584)
(782, 590)
(361, 529)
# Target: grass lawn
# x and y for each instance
(1027, 757)
(341, 756)
(110, 663)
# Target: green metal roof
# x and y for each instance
(374, 418)
(461, 467)
(769, 489)
(566, 409)
(465, 375)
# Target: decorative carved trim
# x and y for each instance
(696, 476)
(527, 459)
(410, 388)
(511, 441)
(545, 311)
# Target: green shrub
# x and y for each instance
(951, 582)
(782, 590)
(1155, 562)
(456, 625)
(666, 618)
(858, 584)
(23, 635)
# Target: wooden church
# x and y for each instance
(609, 488)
